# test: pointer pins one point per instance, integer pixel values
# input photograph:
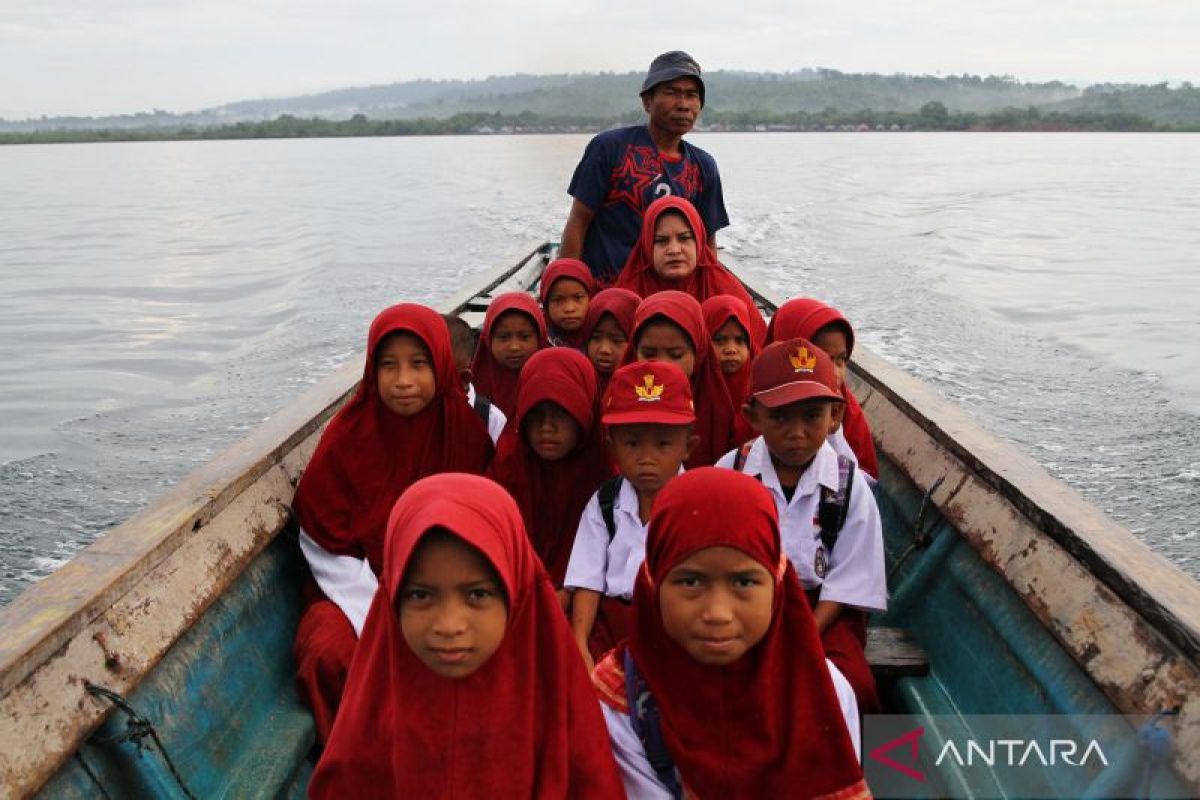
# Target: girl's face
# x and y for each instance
(551, 432)
(404, 374)
(716, 604)
(731, 346)
(567, 304)
(452, 606)
(833, 341)
(663, 340)
(514, 339)
(607, 345)
(675, 250)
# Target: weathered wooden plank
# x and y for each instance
(894, 653)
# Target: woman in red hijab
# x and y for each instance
(606, 330)
(673, 253)
(465, 692)
(552, 459)
(824, 326)
(566, 289)
(723, 648)
(669, 326)
(408, 419)
(728, 322)
(513, 330)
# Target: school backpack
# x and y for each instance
(483, 407)
(643, 715)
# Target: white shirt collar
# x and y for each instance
(823, 471)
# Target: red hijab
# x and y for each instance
(621, 305)
(494, 380)
(576, 270)
(709, 279)
(524, 724)
(552, 494)
(369, 455)
(768, 725)
(717, 311)
(803, 317)
(714, 410)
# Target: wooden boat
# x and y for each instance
(1027, 600)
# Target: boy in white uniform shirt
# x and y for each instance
(828, 519)
(648, 411)
(462, 340)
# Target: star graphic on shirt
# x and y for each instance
(637, 172)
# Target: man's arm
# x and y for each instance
(575, 230)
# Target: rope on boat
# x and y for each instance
(137, 728)
(921, 537)
(87, 769)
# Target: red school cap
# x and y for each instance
(648, 391)
(790, 371)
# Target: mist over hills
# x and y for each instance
(608, 98)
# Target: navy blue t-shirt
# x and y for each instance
(620, 174)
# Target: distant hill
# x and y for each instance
(608, 98)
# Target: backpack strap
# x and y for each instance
(834, 505)
(607, 495)
(643, 715)
(483, 407)
(743, 452)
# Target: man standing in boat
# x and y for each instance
(624, 170)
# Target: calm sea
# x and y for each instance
(159, 300)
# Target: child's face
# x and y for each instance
(731, 346)
(833, 341)
(607, 345)
(567, 304)
(452, 606)
(716, 604)
(663, 340)
(551, 432)
(404, 373)
(675, 250)
(514, 339)
(650, 454)
(795, 432)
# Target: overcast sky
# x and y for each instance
(94, 57)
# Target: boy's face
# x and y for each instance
(607, 345)
(551, 432)
(833, 342)
(731, 346)
(567, 304)
(794, 432)
(666, 341)
(404, 374)
(452, 607)
(650, 454)
(675, 251)
(716, 604)
(514, 339)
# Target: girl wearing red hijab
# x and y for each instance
(824, 326)
(566, 289)
(408, 419)
(673, 253)
(606, 330)
(728, 322)
(467, 682)
(669, 326)
(724, 660)
(552, 459)
(513, 330)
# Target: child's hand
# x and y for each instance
(587, 656)
(564, 600)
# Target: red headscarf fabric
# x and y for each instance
(494, 380)
(802, 317)
(553, 494)
(369, 455)
(525, 724)
(710, 277)
(714, 409)
(770, 724)
(576, 270)
(717, 311)
(621, 305)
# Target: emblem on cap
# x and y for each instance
(649, 391)
(802, 360)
